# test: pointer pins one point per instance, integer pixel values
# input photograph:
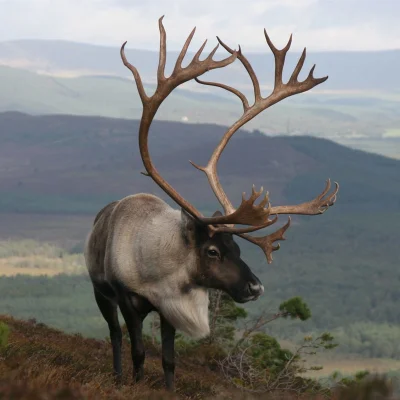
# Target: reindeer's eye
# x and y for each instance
(212, 253)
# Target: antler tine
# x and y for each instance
(182, 54)
(236, 92)
(163, 52)
(266, 243)
(197, 55)
(246, 63)
(211, 55)
(314, 207)
(279, 56)
(299, 66)
(136, 75)
(237, 231)
(248, 213)
(293, 86)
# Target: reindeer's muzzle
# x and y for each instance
(255, 290)
(251, 292)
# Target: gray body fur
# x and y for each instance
(138, 243)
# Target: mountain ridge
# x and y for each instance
(378, 67)
(85, 157)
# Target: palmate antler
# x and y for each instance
(248, 213)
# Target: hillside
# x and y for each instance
(41, 363)
(56, 172)
(40, 359)
(65, 164)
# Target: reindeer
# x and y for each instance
(142, 255)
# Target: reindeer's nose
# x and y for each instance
(256, 289)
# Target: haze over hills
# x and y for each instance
(367, 119)
(349, 71)
(359, 105)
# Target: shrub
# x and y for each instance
(4, 333)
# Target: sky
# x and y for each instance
(323, 25)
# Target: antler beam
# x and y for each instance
(164, 88)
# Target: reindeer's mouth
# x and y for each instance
(254, 291)
(247, 299)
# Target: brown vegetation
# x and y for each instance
(43, 363)
(70, 366)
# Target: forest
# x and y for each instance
(362, 323)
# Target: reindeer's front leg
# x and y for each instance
(168, 352)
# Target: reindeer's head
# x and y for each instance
(220, 265)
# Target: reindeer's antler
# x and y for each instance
(248, 213)
(164, 88)
(258, 214)
(281, 91)
(267, 242)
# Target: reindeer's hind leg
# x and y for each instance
(134, 309)
(109, 310)
(168, 352)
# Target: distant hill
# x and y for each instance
(68, 164)
(359, 105)
(360, 120)
(374, 70)
(108, 96)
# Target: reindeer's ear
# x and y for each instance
(217, 214)
(189, 227)
(188, 221)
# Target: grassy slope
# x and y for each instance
(40, 358)
(41, 363)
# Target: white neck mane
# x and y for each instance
(187, 312)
